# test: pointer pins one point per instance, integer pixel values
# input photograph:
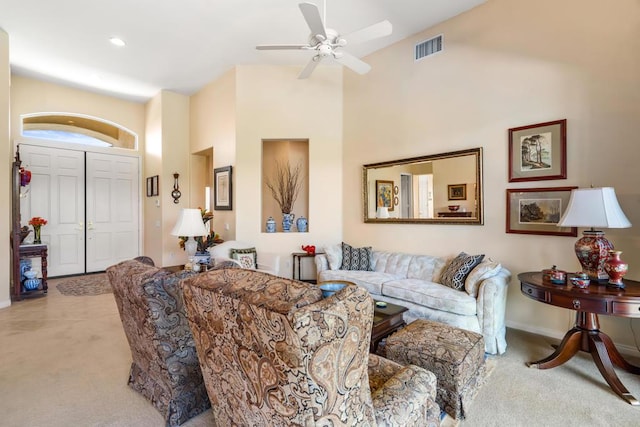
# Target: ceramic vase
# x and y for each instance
(271, 225)
(301, 224)
(287, 220)
(36, 235)
(616, 268)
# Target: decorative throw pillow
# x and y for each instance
(246, 257)
(356, 258)
(334, 256)
(486, 269)
(458, 269)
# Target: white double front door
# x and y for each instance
(91, 203)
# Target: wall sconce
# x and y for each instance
(176, 190)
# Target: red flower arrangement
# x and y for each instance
(37, 221)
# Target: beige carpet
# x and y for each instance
(65, 362)
(90, 284)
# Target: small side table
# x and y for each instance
(297, 256)
(387, 319)
(32, 251)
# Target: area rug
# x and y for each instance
(88, 285)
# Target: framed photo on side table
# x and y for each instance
(538, 152)
(222, 189)
(538, 211)
(384, 194)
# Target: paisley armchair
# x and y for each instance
(165, 367)
(273, 352)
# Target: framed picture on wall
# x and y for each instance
(384, 194)
(538, 152)
(222, 189)
(538, 211)
(152, 186)
(457, 191)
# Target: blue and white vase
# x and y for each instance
(25, 265)
(301, 224)
(271, 225)
(287, 221)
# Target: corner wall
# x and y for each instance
(6, 156)
(506, 63)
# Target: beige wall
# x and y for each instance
(505, 64)
(213, 125)
(6, 157)
(273, 104)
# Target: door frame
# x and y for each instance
(103, 150)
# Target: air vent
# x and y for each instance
(428, 47)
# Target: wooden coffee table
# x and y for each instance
(386, 320)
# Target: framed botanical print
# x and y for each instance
(538, 211)
(222, 189)
(538, 152)
(384, 194)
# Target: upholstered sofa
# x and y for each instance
(165, 368)
(268, 262)
(413, 281)
(273, 352)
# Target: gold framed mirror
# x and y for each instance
(443, 188)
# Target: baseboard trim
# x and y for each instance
(627, 350)
(4, 304)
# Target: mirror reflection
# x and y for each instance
(442, 188)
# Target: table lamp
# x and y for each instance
(190, 224)
(594, 207)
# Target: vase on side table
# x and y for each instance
(616, 268)
(36, 235)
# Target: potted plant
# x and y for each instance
(285, 186)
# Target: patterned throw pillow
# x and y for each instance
(246, 257)
(458, 269)
(356, 258)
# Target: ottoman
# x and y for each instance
(454, 355)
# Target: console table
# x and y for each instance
(585, 334)
(32, 251)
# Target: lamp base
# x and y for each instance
(592, 251)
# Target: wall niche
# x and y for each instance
(282, 161)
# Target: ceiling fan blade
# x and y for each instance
(354, 63)
(381, 29)
(311, 65)
(282, 46)
(314, 20)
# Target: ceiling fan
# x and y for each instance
(328, 43)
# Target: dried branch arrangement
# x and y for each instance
(285, 184)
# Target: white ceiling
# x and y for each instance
(181, 45)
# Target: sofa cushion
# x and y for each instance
(370, 280)
(425, 267)
(486, 269)
(392, 263)
(432, 295)
(334, 256)
(356, 258)
(458, 269)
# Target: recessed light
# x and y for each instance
(117, 41)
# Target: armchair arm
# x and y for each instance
(491, 307)
(407, 398)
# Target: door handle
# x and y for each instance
(80, 226)
(90, 226)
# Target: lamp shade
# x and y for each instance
(189, 224)
(594, 207)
